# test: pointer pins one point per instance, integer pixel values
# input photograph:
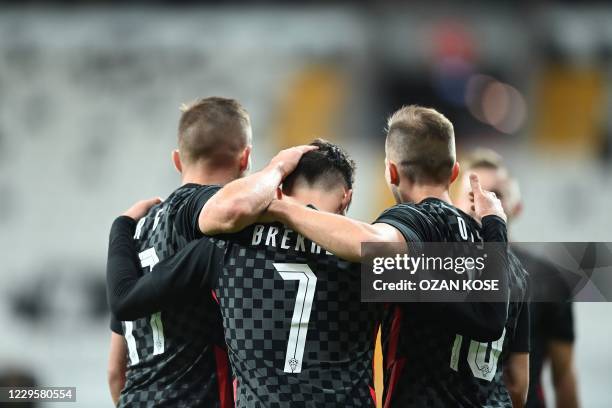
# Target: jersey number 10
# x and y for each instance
(482, 357)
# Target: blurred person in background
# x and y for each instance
(177, 357)
(552, 323)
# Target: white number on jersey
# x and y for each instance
(485, 370)
(148, 259)
(462, 228)
(301, 312)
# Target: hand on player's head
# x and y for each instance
(140, 208)
(484, 202)
(277, 208)
(288, 159)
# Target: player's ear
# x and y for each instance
(346, 201)
(245, 159)
(455, 172)
(176, 159)
(392, 173)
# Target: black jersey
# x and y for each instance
(427, 361)
(550, 321)
(297, 332)
(176, 354)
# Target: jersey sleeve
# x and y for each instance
(520, 340)
(181, 277)
(494, 229)
(485, 321)
(188, 215)
(407, 220)
(560, 324)
(115, 325)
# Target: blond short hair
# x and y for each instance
(422, 143)
(213, 129)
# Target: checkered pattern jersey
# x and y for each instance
(173, 353)
(425, 364)
(263, 312)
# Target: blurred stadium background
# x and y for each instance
(89, 97)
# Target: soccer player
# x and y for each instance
(296, 330)
(436, 355)
(177, 355)
(552, 323)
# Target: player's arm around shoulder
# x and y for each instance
(241, 202)
(182, 276)
(338, 234)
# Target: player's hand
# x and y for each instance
(484, 202)
(140, 208)
(288, 159)
(278, 208)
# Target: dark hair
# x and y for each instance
(329, 164)
(213, 128)
(422, 142)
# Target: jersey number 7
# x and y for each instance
(301, 312)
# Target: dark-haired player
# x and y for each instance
(436, 355)
(177, 355)
(296, 330)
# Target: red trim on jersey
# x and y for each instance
(373, 394)
(396, 371)
(394, 337)
(214, 295)
(540, 394)
(226, 399)
(395, 365)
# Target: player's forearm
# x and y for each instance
(179, 278)
(239, 203)
(566, 392)
(338, 234)
(116, 366)
(563, 374)
(122, 275)
(485, 321)
(518, 393)
(516, 378)
(116, 382)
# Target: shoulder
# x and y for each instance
(199, 190)
(402, 211)
(408, 219)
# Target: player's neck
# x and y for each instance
(208, 176)
(323, 200)
(419, 193)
